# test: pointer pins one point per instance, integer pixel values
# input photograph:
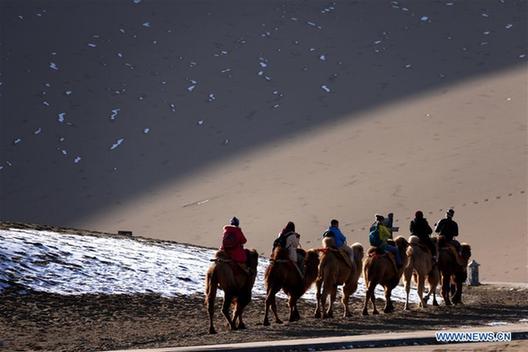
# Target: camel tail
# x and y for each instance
(365, 272)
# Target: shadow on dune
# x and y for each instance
(184, 84)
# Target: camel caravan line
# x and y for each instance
(329, 267)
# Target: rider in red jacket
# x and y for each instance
(233, 241)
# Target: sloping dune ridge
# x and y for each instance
(167, 118)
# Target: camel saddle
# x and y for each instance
(223, 257)
(377, 252)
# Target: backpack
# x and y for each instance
(281, 240)
(374, 237)
(229, 241)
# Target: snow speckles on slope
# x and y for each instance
(72, 264)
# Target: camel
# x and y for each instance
(453, 270)
(380, 269)
(282, 274)
(334, 271)
(236, 284)
(420, 267)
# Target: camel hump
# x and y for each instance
(328, 242)
(414, 239)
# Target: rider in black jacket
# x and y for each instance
(420, 227)
(448, 228)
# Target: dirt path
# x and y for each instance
(97, 322)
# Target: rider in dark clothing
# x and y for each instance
(420, 227)
(447, 227)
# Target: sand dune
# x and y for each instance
(454, 157)
(167, 118)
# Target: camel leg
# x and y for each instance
(445, 289)
(294, 314)
(373, 300)
(274, 306)
(317, 313)
(348, 289)
(333, 295)
(435, 302)
(421, 286)
(225, 310)
(239, 309)
(211, 296)
(432, 280)
(329, 313)
(407, 277)
(457, 297)
(266, 311)
(365, 305)
(432, 291)
(270, 302)
(324, 300)
(237, 316)
(370, 295)
(388, 304)
(452, 288)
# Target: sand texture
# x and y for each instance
(167, 118)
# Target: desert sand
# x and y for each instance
(168, 118)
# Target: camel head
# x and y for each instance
(312, 259)
(401, 243)
(465, 251)
(253, 260)
(311, 267)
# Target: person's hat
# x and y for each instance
(379, 217)
(450, 212)
(235, 221)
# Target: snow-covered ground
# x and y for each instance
(70, 264)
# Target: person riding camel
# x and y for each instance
(290, 240)
(420, 228)
(340, 240)
(233, 243)
(378, 236)
(448, 228)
